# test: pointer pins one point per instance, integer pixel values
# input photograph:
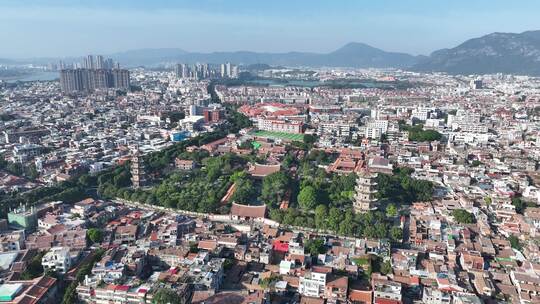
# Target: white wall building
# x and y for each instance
(421, 113)
(312, 284)
(57, 259)
(435, 296)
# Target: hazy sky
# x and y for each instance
(43, 28)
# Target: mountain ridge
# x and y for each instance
(353, 54)
(497, 52)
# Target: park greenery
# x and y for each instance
(70, 294)
(317, 199)
(372, 263)
(386, 268)
(274, 189)
(199, 190)
(95, 235)
(476, 163)
(114, 182)
(515, 243)
(245, 189)
(417, 133)
(67, 191)
(18, 169)
(34, 268)
(391, 210)
(324, 200)
(315, 247)
(269, 281)
(521, 205)
(307, 198)
(167, 296)
(401, 188)
(463, 217)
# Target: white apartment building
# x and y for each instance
(374, 133)
(380, 124)
(421, 113)
(470, 127)
(384, 289)
(23, 153)
(434, 123)
(469, 138)
(376, 128)
(296, 248)
(57, 259)
(90, 292)
(466, 117)
(312, 284)
(341, 130)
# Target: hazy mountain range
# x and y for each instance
(351, 55)
(494, 53)
(511, 53)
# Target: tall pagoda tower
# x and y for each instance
(365, 192)
(138, 178)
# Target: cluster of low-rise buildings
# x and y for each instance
(63, 135)
(476, 139)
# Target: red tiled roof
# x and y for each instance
(360, 296)
(248, 211)
(281, 246)
(263, 170)
(386, 301)
(128, 229)
(338, 282)
(207, 245)
(310, 300)
(122, 287)
(321, 269)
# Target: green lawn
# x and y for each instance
(361, 261)
(280, 135)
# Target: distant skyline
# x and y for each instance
(62, 28)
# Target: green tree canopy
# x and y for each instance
(167, 296)
(95, 235)
(315, 247)
(396, 234)
(307, 198)
(514, 242)
(34, 268)
(310, 139)
(274, 188)
(391, 210)
(386, 268)
(463, 217)
(521, 205)
(335, 217)
(321, 213)
(244, 188)
(476, 163)
(401, 188)
(417, 133)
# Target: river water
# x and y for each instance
(37, 76)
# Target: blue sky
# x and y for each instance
(75, 27)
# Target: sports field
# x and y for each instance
(280, 135)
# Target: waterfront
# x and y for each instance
(34, 76)
(339, 83)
